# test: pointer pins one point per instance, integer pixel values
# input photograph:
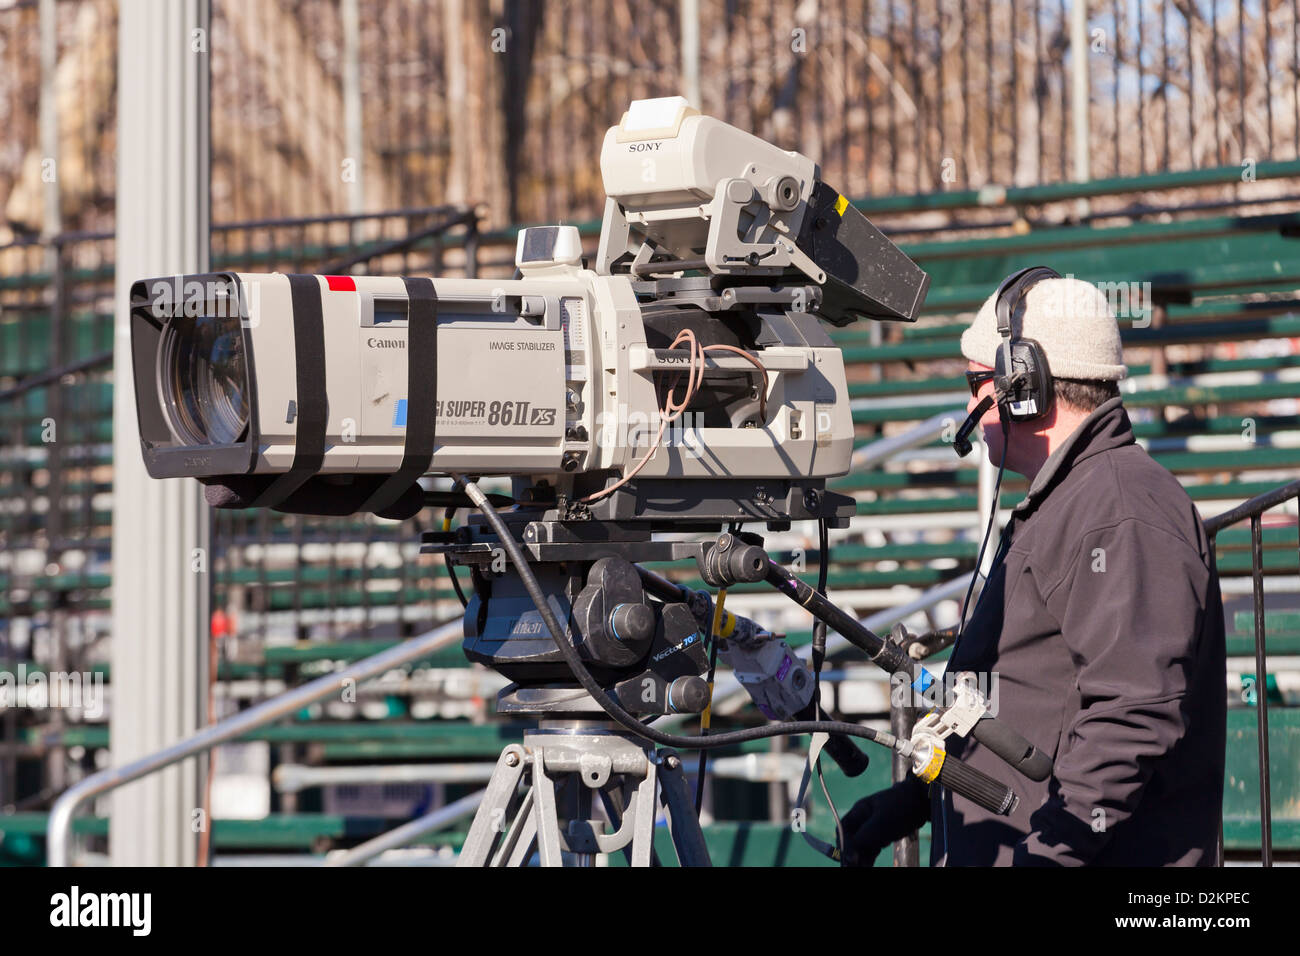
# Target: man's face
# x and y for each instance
(990, 423)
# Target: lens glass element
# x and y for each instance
(205, 379)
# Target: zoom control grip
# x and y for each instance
(1014, 749)
(977, 787)
(848, 756)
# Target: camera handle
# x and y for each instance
(733, 560)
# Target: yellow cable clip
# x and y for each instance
(717, 629)
(930, 772)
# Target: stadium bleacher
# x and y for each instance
(1215, 375)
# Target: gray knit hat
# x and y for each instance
(1069, 318)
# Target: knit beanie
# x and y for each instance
(1071, 320)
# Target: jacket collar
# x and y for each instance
(1107, 427)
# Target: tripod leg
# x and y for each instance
(496, 804)
(517, 844)
(644, 806)
(688, 839)
(545, 816)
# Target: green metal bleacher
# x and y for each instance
(1207, 273)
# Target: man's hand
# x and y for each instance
(883, 817)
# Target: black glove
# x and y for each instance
(883, 817)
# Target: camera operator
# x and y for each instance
(1101, 618)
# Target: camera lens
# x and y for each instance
(205, 379)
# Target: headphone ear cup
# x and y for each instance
(1033, 398)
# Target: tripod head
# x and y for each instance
(646, 646)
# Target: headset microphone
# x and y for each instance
(961, 441)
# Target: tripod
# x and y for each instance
(572, 758)
(567, 765)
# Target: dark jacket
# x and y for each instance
(1101, 631)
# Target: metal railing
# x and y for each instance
(232, 728)
(1253, 510)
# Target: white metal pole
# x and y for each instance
(690, 25)
(48, 119)
(1079, 110)
(160, 528)
(352, 102)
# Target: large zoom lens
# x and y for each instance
(204, 376)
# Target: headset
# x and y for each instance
(1022, 379)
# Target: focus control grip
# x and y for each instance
(977, 787)
(731, 561)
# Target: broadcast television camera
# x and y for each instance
(333, 394)
(719, 257)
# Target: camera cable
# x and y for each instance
(972, 783)
(451, 568)
(611, 706)
(814, 764)
(979, 561)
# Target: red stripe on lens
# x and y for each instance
(341, 283)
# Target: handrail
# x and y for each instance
(463, 217)
(281, 222)
(52, 376)
(400, 836)
(881, 450)
(1253, 508)
(59, 827)
(294, 777)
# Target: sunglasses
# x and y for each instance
(976, 379)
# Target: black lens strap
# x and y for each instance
(421, 393)
(311, 404)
